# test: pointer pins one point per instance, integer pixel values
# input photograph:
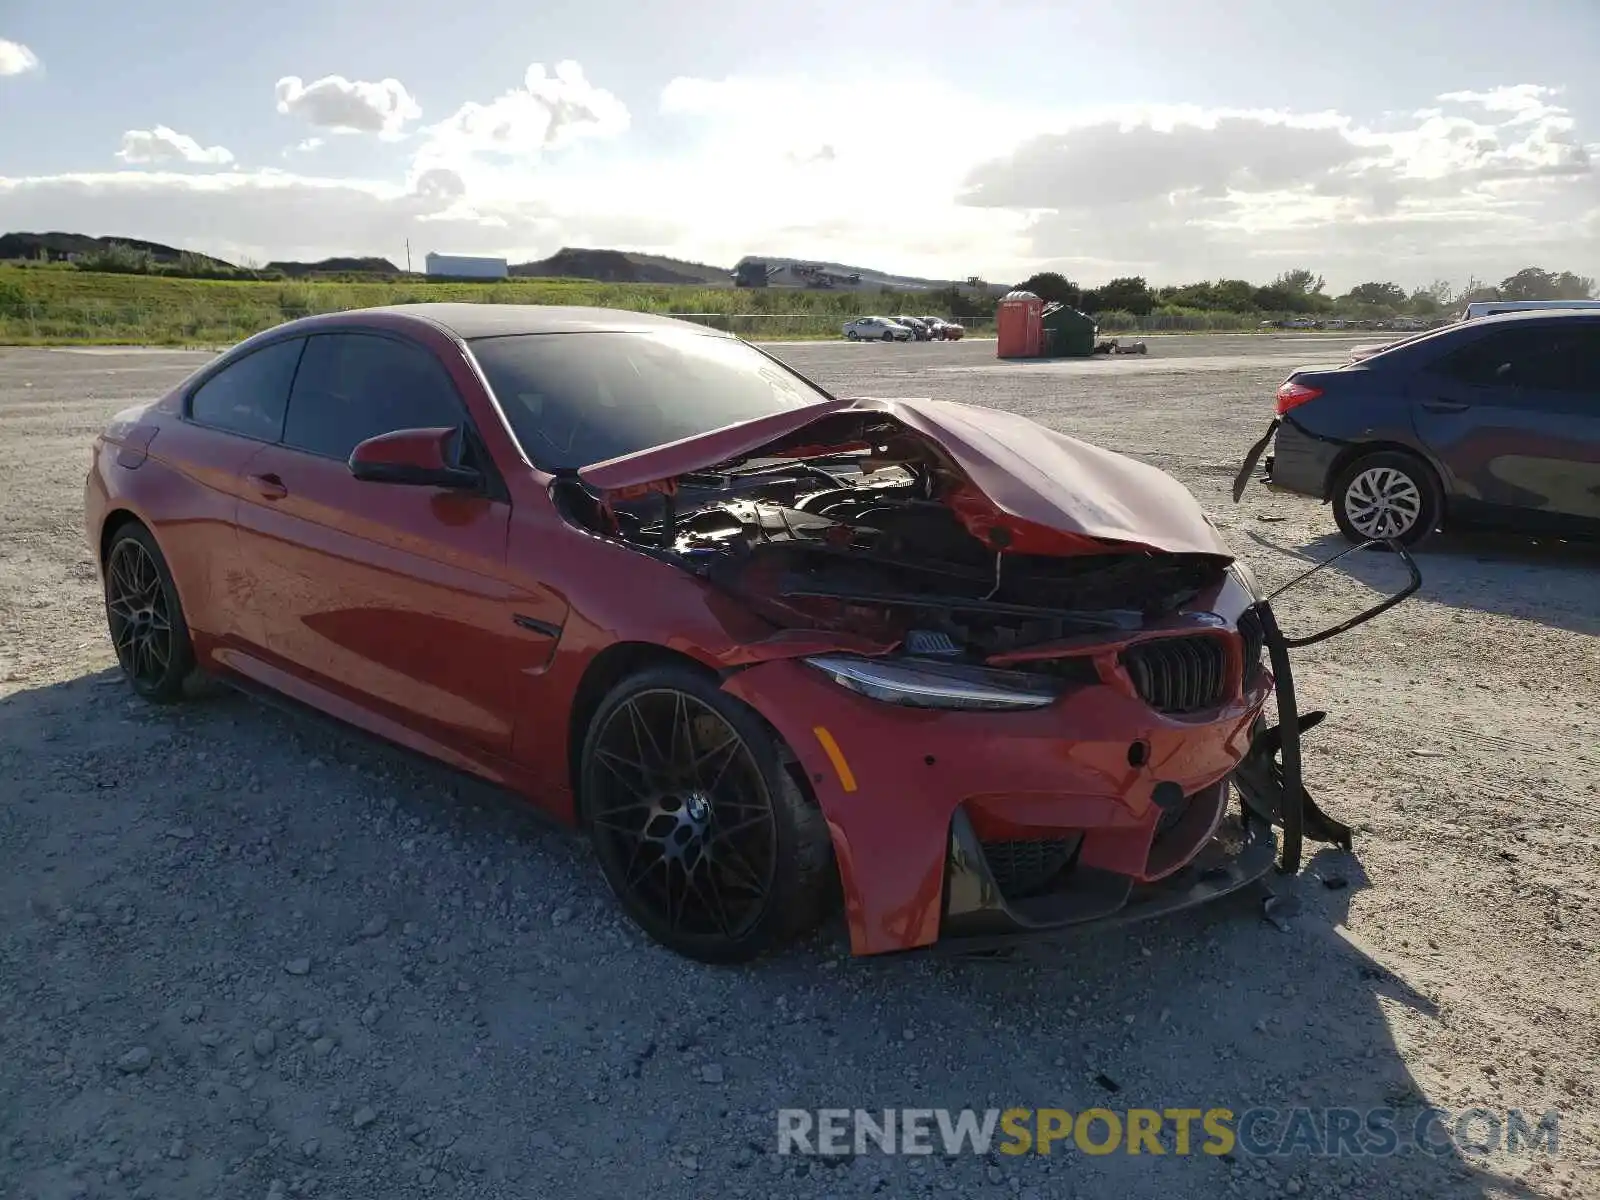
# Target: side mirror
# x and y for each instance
(420, 457)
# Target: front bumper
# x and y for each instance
(1115, 794)
(981, 912)
(968, 829)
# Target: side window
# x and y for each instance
(249, 396)
(1539, 357)
(352, 386)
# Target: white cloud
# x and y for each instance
(163, 145)
(343, 105)
(1185, 195)
(15, 58)
(1522, 103)
(1112, 163)
(260, 215)
(1480, 183)
(547, 112)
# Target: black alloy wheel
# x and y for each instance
(147, 626)
(701, 832)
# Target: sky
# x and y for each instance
(1408, 141)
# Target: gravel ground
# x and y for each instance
(243, 955)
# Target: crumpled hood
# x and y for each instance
(1028, 482)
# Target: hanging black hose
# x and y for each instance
(1292, 787)
(1275, 791)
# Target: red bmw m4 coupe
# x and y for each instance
(772, 649)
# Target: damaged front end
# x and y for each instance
(994, 895)
(1024, 676)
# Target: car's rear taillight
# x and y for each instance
(1292, 395)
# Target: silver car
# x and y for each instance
(876, 329)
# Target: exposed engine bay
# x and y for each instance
(871, 542)
(974, 536)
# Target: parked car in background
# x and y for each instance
(944, 330)
(1490, 308)
(876, 329)
(1493, 421)
(920, 329)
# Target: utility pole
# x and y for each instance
(408, 256)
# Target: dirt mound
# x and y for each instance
(62, 247)
(336, 266)
(620, 266)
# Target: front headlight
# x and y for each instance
(1246, 577)
(937, 685)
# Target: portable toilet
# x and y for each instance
(1068, 333)
(1018, 326)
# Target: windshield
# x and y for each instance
(574, 399)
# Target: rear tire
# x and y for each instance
(145, 617)
(1387, 494)
(705, 838)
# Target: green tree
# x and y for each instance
(1130, 293)
(1441, 291)
(1191, 295)
(1052, 286)
(1379, 295)
(1301, 282)
(959, 304)
(1532, 283)
(1424, 303)
(1277, 298)
(1234, 295)
(1574, 287)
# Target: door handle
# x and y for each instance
(1445, 406)
(270, 486)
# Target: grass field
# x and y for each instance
(44, 307)
(63, 306)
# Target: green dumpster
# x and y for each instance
(1068, 333)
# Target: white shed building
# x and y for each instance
(465, 266)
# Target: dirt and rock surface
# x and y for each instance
(242, 955)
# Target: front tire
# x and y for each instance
(703, 835)
(1387, 494)
(888, 335)
(853, 336)
(145, 618)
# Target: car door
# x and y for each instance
(1514, 417)
(392, 597)
(228, 415)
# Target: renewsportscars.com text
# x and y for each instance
(1258, 1132)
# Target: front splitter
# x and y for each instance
(1239, 854)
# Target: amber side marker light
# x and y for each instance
(847, 778)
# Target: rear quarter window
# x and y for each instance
(249, 395)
